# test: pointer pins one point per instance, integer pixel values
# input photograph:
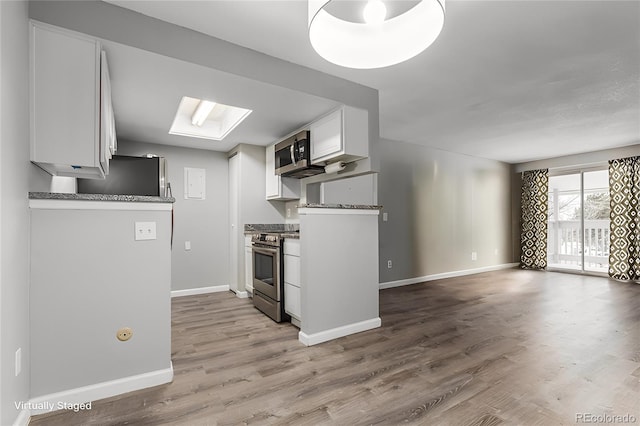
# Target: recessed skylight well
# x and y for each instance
(199, 118)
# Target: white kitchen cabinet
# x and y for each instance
(248, 264)
(72, 125)
(342, 135)
(278, 187)
(108, 122)
(292, 284)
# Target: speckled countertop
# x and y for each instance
(99, 197)
(286, 230)
(339, 206)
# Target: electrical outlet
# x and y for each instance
(474, 255)
(18, 361)
(124, 334)
(145, 231)
(187, 245)
(389, 264)
(289, 212)
(385, 216)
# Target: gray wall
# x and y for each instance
(89, 277)
(15, 172)
(361, 189)
(203, 222)
(441, 207)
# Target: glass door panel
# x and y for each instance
(596, 209)
(564, 238)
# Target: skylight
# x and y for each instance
(204, 119)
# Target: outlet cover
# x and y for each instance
(389, 264)
(474, 255)
(145, 231)
(187, 245)
(385, 216)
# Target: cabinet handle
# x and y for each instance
(293, 157)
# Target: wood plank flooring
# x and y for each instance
(509, 347)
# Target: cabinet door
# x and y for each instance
(277, 187)
(65, 94)
(292, 246)
(326, 137)
(106, 114)
(292, 301)
(292, 270)
(272, 180)
(248, 269)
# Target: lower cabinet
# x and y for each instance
(292, 303)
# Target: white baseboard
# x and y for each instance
(199, 290)
(409, 281)
(334, 333)
(23, 418)
(100, 390)
(241, 294)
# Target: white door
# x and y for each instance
(234, 177)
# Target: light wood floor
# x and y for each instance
(509, 347)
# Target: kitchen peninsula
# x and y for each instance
(339, 270)
(100, 295)
(333, 289)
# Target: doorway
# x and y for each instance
(578, 224)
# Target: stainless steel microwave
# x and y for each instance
(293, 157)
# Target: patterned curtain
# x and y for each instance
(624, 189)
(535, 204)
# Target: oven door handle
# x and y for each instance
(263, 250)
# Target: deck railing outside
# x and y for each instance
(565, 244)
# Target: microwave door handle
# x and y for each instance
(293, 156)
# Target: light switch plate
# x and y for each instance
(145, 231)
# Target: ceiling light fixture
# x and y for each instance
(378, 42)
(202, 112)
(198, 118)
(374, 12)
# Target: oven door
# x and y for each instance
(266, 271)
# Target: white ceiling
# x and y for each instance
(147, 89)
(510, 80)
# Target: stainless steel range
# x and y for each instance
(268, 277)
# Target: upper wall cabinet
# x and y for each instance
(72, 125)
(277, 187)
(342, 135)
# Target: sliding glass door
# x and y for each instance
(596, 209)
(578, 226)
